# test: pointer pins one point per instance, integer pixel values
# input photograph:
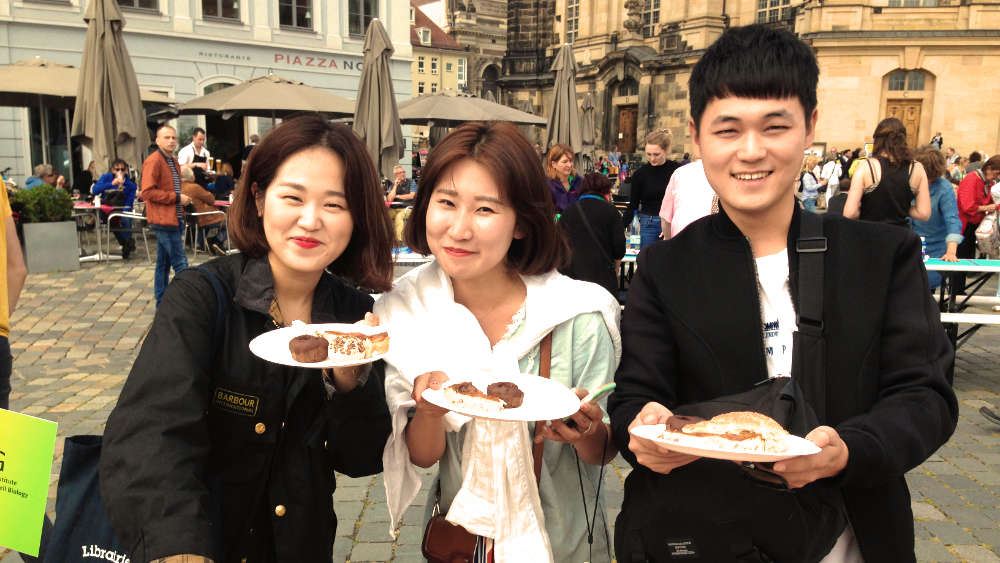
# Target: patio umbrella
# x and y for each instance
(23, 82)
(564, 118)
(109, 117)
(268, 96)
(376, 118)
(451, 108)
(587, 130)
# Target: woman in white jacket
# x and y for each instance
(484, 304)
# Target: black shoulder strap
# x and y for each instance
(811, 247)
(221, 303)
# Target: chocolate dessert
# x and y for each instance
(308, 348)
(511, 395)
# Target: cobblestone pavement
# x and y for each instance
(76, 334)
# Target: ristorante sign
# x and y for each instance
(287, 59)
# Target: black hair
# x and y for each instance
(197, 130)
(755, 61)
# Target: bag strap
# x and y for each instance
(811, 247)
(871, 171)
(544, 363)
(593, 235)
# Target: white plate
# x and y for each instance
(691, 445)
(544, 399)
(273, 345)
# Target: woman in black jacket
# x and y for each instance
(593, 228)
(214, 453)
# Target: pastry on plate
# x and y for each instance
(308, 348)
(741, 430)
(467, 396)
(508, 392)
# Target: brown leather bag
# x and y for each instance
(445, 542)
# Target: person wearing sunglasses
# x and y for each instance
(764, 295)
(117, 189)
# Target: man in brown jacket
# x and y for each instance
(161, 190)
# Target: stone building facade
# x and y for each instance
(480, 27)
(924, 61)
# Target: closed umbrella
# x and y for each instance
(376, 118)
(268, 96)
(564, 118)
(587, 131)
(109, 116)
(489, 97)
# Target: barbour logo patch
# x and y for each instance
(236, 403)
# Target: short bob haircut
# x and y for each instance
(367, 260)
(758, 62)
(932, 160)
(595, 183)
(513, 163)
(555, 153)
(889, 140)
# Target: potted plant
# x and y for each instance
(46, 217)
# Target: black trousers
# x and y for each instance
(966, 249)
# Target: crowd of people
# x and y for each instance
(312, 221)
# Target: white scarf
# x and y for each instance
(430, 331)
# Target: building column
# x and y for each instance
(182, 17)
(261, 23)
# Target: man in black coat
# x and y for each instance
(714, 311)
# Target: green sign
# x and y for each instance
(26, 447)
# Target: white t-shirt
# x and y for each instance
(187, 154)
(777, 317)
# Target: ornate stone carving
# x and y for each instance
(634, 21)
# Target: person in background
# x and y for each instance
(688, 197)
(956, 171)
(84, 181)
(648, 186)
(615, 159)
(564, 183)
(486, 302)
(974, 202)
(195, 156)
(212, 227)
(809, 185)
(952, 156)
(400, 199)
(246, 450)
(890, 187)
(942, 233)
(44, 174)
(829, 174)
(223, 185)
(975, 162)
(161, 190)
(116, 188)
(686, 159)
(937, 140)
(254, 139)
(593, 228)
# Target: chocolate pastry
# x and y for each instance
(308, 348)
(511, 395)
